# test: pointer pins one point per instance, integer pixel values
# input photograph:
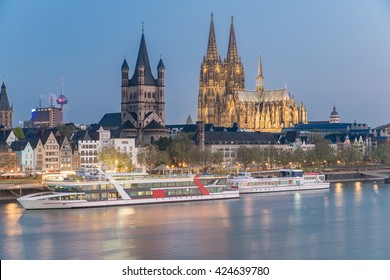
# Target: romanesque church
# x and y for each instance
(223, 99)
(143, 99)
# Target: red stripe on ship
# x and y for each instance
(200, 185)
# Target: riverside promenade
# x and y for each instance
(357, 175)
(10, 191)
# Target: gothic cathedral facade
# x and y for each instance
(223, 99)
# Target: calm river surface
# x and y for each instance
(349, 221)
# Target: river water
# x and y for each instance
(347, 222)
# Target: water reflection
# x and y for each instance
(349, 221)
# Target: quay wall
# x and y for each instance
(351, 177)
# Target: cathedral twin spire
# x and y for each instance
(232, 55)
(212, 50)
(230, 72)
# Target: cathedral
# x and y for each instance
(143, 99)
(6, 111)
(223, 99)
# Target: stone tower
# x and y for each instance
(143, 99)
(6, 111)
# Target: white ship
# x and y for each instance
(127, 189)
(277, 181)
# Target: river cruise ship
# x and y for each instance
(109, 189)
(277, 181)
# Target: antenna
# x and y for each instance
(62, 85)
(62, 99)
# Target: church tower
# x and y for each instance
(211, 82)
(234, 69)
(143, 99)
(6, 111)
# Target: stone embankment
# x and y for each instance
(357, 175)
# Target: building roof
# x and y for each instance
(154, 125)
(45, 135)
(111, 120)
(127, 125)
(334, 112)
(160, 64)
(267, 96)
(189, 120)
(19, 145)
(207, 127)
(34, 141)
(124, 65)
(225, 137)
(330, 127)
(143, 61)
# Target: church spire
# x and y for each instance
(232, 55)
(143, 70)
(260, 67)
(4, 103)
(212, 52)
(260, 77)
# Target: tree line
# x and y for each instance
(183, 153)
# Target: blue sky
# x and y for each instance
(327, 52)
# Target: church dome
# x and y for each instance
(334, 116)
(334, 112)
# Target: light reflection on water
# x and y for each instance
(349, 221)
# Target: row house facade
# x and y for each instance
(45, 151)
(85, 148)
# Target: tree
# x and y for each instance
(324, 152)
(382, 153)
(151, 157)
(271, 155)
(19, 133)
(258, 156)
(284, 157)
(114, 159)
(350, 155)
(163, 143)
(299, 156)
(9, 161)
(66, 129)
(246, 156)
(205, 159)
(179, 150)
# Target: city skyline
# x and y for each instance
(328, 53)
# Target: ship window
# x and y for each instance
(179, 192)
(186, 191)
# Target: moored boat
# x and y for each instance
(128, 189)
(276, 181)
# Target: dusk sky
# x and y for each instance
(327, 52)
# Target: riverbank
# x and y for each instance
(356, 175)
